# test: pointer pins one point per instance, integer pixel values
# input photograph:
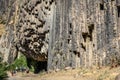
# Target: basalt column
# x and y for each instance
(84, 33)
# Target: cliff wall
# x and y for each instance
(74, 33)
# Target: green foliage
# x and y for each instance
(2, 21)
(21, 61)
(3, 73)
(32, 69)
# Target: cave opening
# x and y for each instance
(37, 65)
(83, 46)
(76, 53)
(89, 34)
(69, 41)
(70, 28)
(91, 28)
(84, 35)
(118, 11)
(70, 25)
(101, 6)
(41, 66)
(70, 32)
(51, 1)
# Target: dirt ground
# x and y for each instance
(76, 74)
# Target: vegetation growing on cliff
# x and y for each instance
(3, 69)
(21, 61)
(3, 73)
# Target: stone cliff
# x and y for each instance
(65, 33)
(7, 15)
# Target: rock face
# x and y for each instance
(68, 33)
(5, 6)
(3, 9)
(33, 28)
(85, 33)
(8, 11)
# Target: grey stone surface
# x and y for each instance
(7, 47)
(67, 33)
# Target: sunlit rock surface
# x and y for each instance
(65, 33)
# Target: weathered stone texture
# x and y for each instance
(75, 33)
(86, 33)
(8, 11)
(33, 28)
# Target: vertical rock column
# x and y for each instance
(59, 56)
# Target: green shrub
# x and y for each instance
(21, 61)
(4, 67)
(3, 70)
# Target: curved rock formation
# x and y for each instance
(33, 28)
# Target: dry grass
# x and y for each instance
(2, 29)
(76, 74)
